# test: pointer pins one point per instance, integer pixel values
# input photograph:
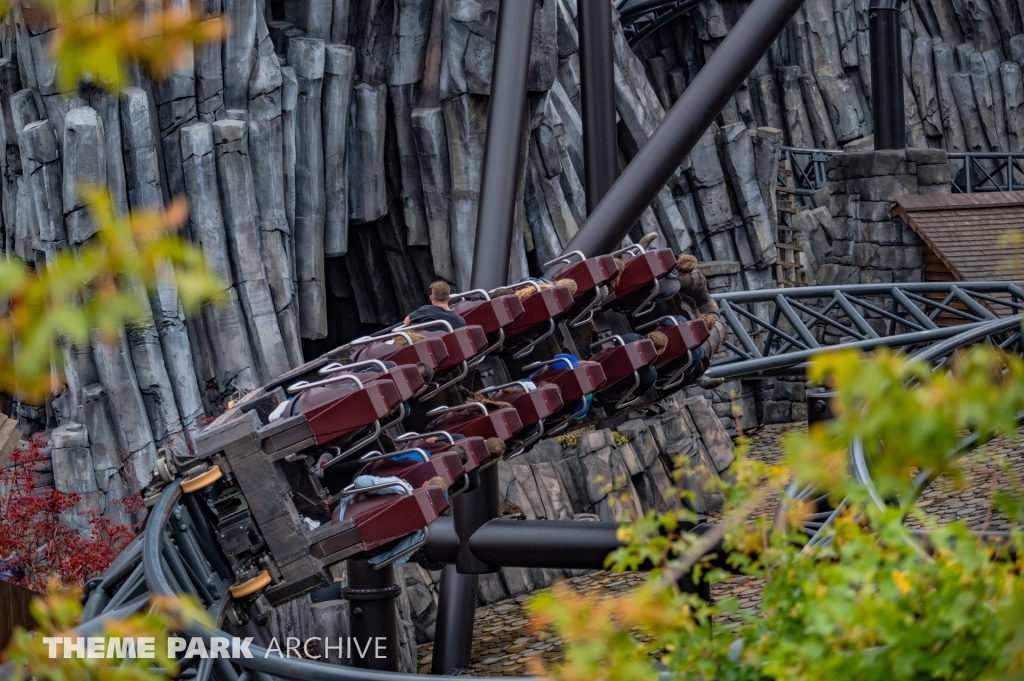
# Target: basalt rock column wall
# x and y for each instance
(962, 69)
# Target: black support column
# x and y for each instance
(884, 24)
(506, 123)
(373, 615)
(597, 85)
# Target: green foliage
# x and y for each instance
(872, 603)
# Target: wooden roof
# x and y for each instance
(970, 233)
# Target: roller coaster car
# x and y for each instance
(532, 404)
(588, 273)
(462, 344)
(591, 276)
(415, 466)
(682, 337)
(490, 314)
(621, 360)
(380, 520)
(387, 347)
(472, 451)
(574, 383)
(269, 507)
(474, 419)
(342, 405)
(541, 307)
(406, 377)
(639, 285)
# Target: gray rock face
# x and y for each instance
(239, 51)
(339, 69)
(367, 199)
(209, 72)
(229, 339)
(963, 92)
(923, 78)
(945, 64)
(266, 153)
(988, 102)
(465, 119)
(797, 122)
(73, 473)
(413, 209)
(307, 58)
(432, 158)
(42, 168)
(167, 374)
(238, 203)
(116, 372)
(85, 165)
(412, 31)
(742, 169)
(821, 126)
(1013, 94)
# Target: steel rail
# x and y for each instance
(777, 331)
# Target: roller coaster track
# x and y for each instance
(641, 18)
(775, 332)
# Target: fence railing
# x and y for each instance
(986, 172)
(809, 166)
(973, 171)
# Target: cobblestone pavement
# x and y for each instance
(502, 643)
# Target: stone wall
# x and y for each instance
(862, 242)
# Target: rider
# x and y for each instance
(438, 309)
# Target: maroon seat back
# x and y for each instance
(541, 307)
(573, 383)
(461, 344)
(445, 465)
(383, 518)
(406, 377)
(499, 423)
(588, 274)
(682, 338)
(338, 410)
(532, 405)
(643, 269)
(429, 351)
(620, 361)
(490, 315)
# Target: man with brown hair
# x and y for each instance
(437, 310)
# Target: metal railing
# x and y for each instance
(809, 166)
(986, 172)
(776, 332)
(972, 171)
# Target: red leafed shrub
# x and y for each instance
(35, 544)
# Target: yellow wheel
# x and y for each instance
(201, 481)
(250, 587)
